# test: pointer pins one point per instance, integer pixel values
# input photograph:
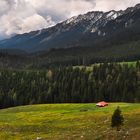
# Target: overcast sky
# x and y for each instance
(20, 16)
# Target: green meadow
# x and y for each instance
(90, 67)
(68, 122)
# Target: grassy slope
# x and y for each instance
(130, 63)
(67, 122)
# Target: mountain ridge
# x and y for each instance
(89, 29)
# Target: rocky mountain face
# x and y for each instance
(91, 29)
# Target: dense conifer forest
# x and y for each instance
(112, 82)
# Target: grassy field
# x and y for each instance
(90, 68)
(68, 122)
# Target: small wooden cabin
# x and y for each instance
(102, 104)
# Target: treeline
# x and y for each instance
(110, 82)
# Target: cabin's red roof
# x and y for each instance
(102, 104)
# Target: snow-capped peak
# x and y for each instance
(86, 17)
(71, 20)
(112, 14)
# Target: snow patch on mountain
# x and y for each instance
(94, 30)
(112, 14)
(71, 20)
(37, 34)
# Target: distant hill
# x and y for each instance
(129, 51)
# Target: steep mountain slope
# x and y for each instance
(91, 30)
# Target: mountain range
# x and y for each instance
(88, 30)
(81, 40)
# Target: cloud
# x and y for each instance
(20, 16)
(62, 9)
(106, 5)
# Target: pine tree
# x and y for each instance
(117, 119)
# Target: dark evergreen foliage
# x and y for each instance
(117, 119)
(110, 82)
(106, 52)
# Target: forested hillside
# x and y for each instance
(71, 56)
(110, 82)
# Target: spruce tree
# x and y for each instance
(117, 119)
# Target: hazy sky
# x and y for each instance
(20, 16)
